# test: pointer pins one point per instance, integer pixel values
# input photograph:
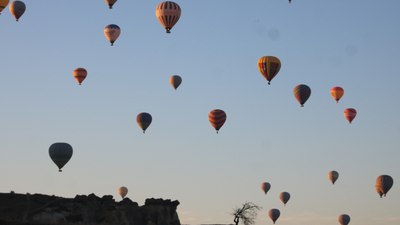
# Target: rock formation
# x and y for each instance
(37, 209)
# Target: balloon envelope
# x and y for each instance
(3, 4)
(269, 67)
(110, 3)
(112, 33)
(17, 9)
(80, 74)
(284, 197)
(337, 93)
(175, 81)
(168, 14)
(265, 186)
(302, 92)
(60, 153)
(123, 191)
(350, 114)
(333, 176)
(344, 219)
(383, 184)
(217, 118)
(144, 120)
(274, 214)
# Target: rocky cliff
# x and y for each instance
(37, 209)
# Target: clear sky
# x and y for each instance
(214, 47)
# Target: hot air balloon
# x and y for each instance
(274, 214)
(143, 120)
(123, 191)
(112, 33)
(337, 93)
(284, 197)
(302, 92)
(80, 75)
(3, 4)
(60, 153)
(333, 176)
(344, 219)
(110, 3)
(350, 114)
(217, 118)
(175, 81)
(265, 187)
(17, 8)
(383, 184)
(168, 14)
(269, 67)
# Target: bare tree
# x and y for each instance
(247, 213)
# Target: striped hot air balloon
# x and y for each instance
(269, 67)
(80, 74)
(168, 14)
(3, 4)
(350, 114)
(302, 92)
(337, 93)
(217, 118)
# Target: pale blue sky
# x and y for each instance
(214, 48)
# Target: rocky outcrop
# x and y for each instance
(37, 209)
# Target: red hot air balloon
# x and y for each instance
(337, 93)
(80, 75)
(217, 118)
(269, 67)
(350, 114)
(168, 14)
(302, 92)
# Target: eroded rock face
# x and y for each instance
(37, 209)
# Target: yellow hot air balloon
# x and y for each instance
(269, 67)
(3, 4)
(123, 191)
(168, 14)
(17, 8)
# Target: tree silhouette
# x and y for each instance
(247, 213)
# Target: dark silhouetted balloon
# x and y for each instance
(168, 14)
(274, 214)
(175, 81)
(17, 9)
(350, 114)
(80, 74)
(123, 191)
(265, 186)
(333, 176)
(144, 120)
(344, 219)
(269, 67)
(383, 184)
(302, 92)
(110, 3)
(284, 197)
(217, 118)
(60, 153)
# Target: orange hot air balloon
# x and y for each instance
(175, 81)
(17, 9)
(337, 93)
(3, 4)
(110, 3)
(217, 118)
(80, 75)
(112, 33)
(350, 114)
(269, 67)
(265, 186)
(168, 14)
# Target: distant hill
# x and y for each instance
(38, 209)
